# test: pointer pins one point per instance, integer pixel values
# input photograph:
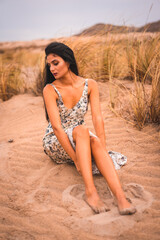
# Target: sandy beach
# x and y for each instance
(40, 200)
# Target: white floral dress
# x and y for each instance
(70, 118)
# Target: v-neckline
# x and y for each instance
(69, 109)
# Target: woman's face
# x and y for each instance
(58, 67)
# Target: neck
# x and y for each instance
(69, 79)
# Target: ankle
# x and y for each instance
(90, 191)
(121, 199)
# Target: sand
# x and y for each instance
(41, 200)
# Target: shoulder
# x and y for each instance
(92, 85)
(49, 90)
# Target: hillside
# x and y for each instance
(103, 29)
(150, 27)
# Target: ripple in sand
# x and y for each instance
(22, 235)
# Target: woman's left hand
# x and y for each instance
(77, 167)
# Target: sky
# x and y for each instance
(25, 20)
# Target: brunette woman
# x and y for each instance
(67, 139)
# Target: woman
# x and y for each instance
(67, 139)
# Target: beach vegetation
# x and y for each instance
(122, 57)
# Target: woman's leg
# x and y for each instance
(83, 153)
(106, 167)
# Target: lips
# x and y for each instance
(54, 74)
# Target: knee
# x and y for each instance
(80, 131)
(95, 141)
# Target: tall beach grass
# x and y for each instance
(134, 56)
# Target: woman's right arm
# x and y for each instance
(50, 97)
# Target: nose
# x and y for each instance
(51, 67)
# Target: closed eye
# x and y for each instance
(54, 62)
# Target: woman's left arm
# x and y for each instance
(96, 111)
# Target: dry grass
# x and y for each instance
(19, 71)
(142, 57)
(139, 104)
(122, 56)
(10, 82)
(155, 95)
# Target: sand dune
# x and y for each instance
(42, 200)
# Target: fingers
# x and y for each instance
(78, 168)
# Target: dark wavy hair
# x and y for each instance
(64, 52)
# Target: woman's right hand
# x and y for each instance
(77, 166)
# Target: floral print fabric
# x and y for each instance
(70, 118)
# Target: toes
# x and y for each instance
(100, 209)
(103, 210)
(107, 209)
(129, 200)
(95, 209)
(128, 211)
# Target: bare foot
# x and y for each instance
(95, 203)
(126, 208)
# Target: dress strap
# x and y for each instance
(86, 87)
(59, 95)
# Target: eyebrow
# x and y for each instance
(54, 60)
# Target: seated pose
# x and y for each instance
(67, 139)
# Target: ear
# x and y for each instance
(68, 64)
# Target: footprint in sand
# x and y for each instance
(43, 197)
(16, 235)
(108, 223)
(40, 200)
(29, 204)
